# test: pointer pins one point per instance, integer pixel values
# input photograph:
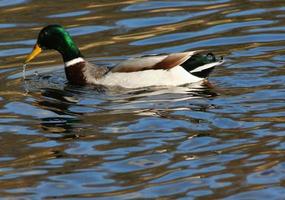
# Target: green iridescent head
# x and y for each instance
(57, 38)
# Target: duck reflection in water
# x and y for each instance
(71, 105)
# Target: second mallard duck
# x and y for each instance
(155, 70)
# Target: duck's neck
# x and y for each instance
(72, 58)
(68, 49)
(73, 61)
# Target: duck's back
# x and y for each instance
(171, 69)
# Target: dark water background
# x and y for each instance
(224, 141)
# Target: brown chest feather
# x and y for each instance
(75, 74)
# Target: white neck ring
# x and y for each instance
(73, 62)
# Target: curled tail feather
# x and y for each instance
(201, 65)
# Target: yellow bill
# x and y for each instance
(36, 51)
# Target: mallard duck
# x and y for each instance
(153, 70)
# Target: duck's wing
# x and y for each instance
(154, 62)
(92, 70)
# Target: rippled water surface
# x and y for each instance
(224, 140)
